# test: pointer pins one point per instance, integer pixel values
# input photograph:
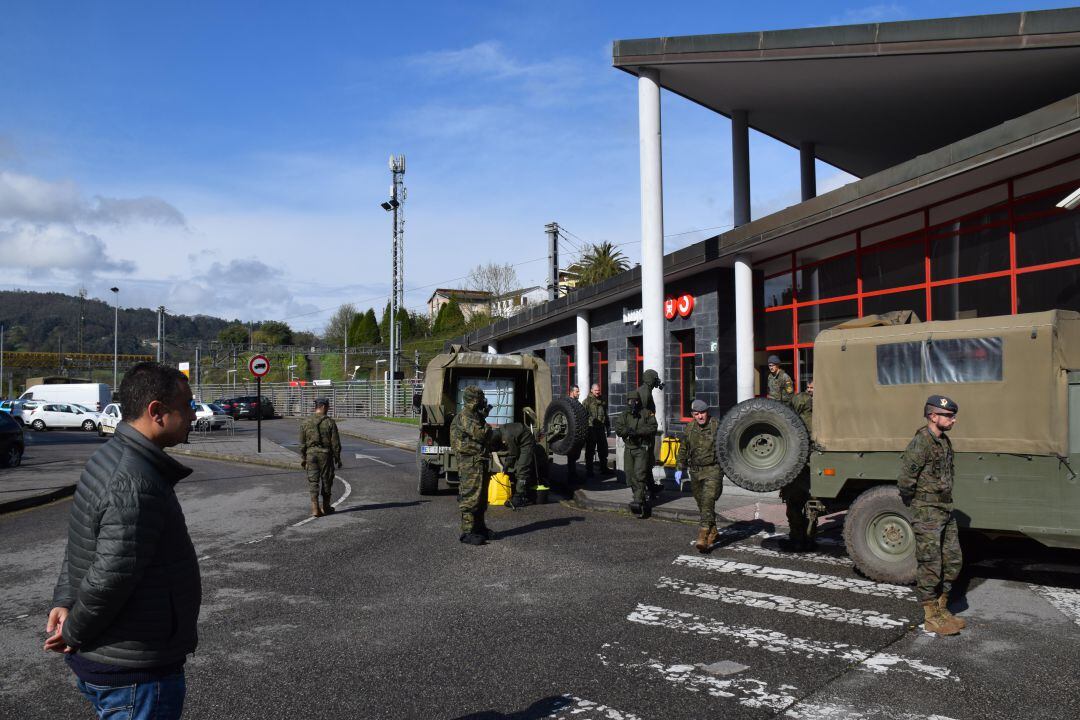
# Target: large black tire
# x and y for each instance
(565, 425)
(762, 445)
(11, 457)
(879, 536)
(427, 475)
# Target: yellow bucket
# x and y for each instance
(499, 490)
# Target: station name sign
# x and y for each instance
(674, 307)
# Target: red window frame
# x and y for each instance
(600, 350)
(637, 345)
(685, 339)
(926, 235)
(568, 352)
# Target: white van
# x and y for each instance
(93, 395)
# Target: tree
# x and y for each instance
(495, 279)
(403, 319)
(234, 334)
(370, 334)
(304, 338)
(273, 332)
(600, 262)
(450, 319)
(336, 328)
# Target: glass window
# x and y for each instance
(965, 211)
(1048, 239)
(825, 250)
(982, 298)
(778, 328)
(635, 361)
(1057, 289)
(598, 368)
(914, 300)
(891, 229)
(815, 318)
(899, 363)
(806, 367)
(894, 266)
(499, 392)
(975, 253)
(778, 290)
(964, 360)
(687, 372)
(831, 278)
(1064, 173)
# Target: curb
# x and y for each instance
(582, 500)
(34, 500)
(399, 444)
(243, 459)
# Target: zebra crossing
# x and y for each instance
(721, 635)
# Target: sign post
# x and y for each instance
(259, 366)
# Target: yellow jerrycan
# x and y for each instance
(499, 490)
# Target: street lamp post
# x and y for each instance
(116, 327)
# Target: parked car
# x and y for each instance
(12, 443)
(251, 406)
(93, 395)
(13, 408)
(89, 411)
(209, 416)
(61, 415)
(27, 407)
(229, 405)
(110, 418)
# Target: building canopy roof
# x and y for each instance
(872, 96)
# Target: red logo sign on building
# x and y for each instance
(680, 306)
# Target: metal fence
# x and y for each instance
(356, 399)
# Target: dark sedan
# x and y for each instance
(252, 406)
(229, 405)
(11, 441)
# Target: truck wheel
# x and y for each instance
(762, 445)
(427, 475)
(879, 536)
(565, 424)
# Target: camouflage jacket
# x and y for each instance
(803, 405)
(469, 434)
(319, 432)
(520, 445)
(597, 412)
(926, 469)
(780, 387)
(698, 448)
(638, 431)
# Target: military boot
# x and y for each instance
(936, 622)
(315, 511)
(713, 536)
(328, 509)
(943, 606)
(702, 543)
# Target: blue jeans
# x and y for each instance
(159, 700)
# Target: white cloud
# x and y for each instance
(31, 199)
(883, 12)
(52, 246)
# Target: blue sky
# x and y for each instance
(229, 158)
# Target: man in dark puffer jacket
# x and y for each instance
(127, 600)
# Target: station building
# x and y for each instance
(965, 136)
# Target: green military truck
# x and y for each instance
(1016, 379)
(518, 388)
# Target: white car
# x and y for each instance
(26, 407)
(209, 417)
(110, 418)
(60, 415)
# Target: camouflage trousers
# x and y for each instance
(638, 471)
(596, 443)
(937, 549)
(522, 474)
(707, 484)
(795, 496)
(472, 492)
(320, 473)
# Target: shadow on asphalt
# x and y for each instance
(1016, 559)
(382, 506)
(539, 709)
(539, 525)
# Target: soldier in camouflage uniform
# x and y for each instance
(596, 434)
(925, 482)
(637, 427)
(470, 438)
(572, 457)
(797, 493)
(698, 453)
(320, 450)
(780, 386)
(519, 460)
(650, 380)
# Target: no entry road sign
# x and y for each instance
(259, 365)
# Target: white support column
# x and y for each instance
(807, 170)
(583, 352)
(744, 329)
(493, 347)
(652, 230)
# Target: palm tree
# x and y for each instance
(600, 262)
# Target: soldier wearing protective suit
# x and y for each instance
(650, 379)
(637, 427)
(470, 438)
(519, 459)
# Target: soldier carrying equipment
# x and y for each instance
(697, 452)
(320, 452)
(519, 460)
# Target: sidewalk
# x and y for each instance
(734, 505)
(37, 483)
(238, 449)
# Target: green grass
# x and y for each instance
(403, 420)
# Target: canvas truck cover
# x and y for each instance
(1007, 373)
(437, 396)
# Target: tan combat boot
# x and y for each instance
(935, 622)
(315, 511)
(713, 536)
(943, 606)
(702, 542)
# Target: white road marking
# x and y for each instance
(1064, 599)
(782, 603)
(836, 711)
(581, 709)
(258, 540)
(348, 491)
(204, 557)
(361, 456)
(821, 558)
(777, 642)
(797, 577)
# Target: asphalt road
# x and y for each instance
(378, 612)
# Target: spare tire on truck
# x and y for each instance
(762, 445)
(565, 424)
(879, 536)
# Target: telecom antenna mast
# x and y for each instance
(397, 294)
